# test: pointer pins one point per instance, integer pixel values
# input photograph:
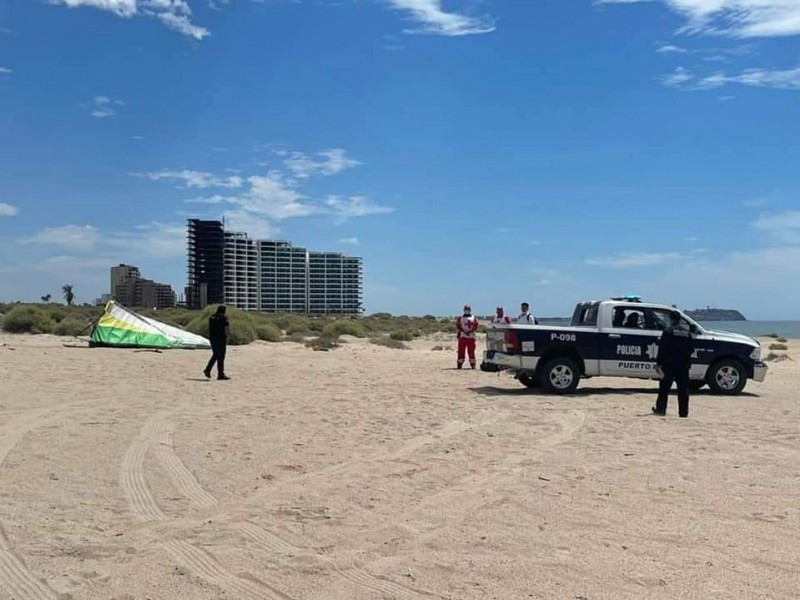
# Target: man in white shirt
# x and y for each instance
(525, 317)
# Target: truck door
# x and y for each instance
(629, 342)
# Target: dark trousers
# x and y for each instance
(218, 357)
(680, 376)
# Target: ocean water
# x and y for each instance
(788, 329)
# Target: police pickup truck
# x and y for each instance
(617, 338)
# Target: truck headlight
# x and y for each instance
(756, 354)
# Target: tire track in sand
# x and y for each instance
(202, 563)
(140, 500)
(178, 471)
(206, 566)
(468, 491)
(347, 570)
(14, 575)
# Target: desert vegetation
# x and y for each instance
(320, 331)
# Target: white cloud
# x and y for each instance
(175, 14)
(765, 283)
(75, 237)
(736, 18)
(157, 240)
(670, 49)
(182, 24)
(351, 241)
(677, 78)
(636, 260)
(153, 240)
(788, 79)
(103, 107)
(354, 206)
(122, 8)
(432, 18)
(6, 210)
(5, 71)
(217, 199)
(261, 200)
(195, 179)
(332, 162)
(273, 197)
(257, 227)
(782, 227)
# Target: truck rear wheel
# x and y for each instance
(727, 377)
(560, 376)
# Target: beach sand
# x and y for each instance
(369, 473)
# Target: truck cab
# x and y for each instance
(618, 338)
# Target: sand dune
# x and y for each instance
(368, 473)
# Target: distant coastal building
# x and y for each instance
(206, 263)
(240, 271)
(130, 289)
(270, 275)
(283, 277)
(122, 274)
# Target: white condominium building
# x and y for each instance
(240, 267)
(275, 276)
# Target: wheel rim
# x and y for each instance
(561, 377)
(728, 378)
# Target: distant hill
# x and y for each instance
(716, 314)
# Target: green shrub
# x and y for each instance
(402, 336)
(243, 327)
(72, 326)
(772, 335)
(782, 340)
(778, 347)
(28, 319)
(268, 332)
(56, 312)
(344, 327)
(297, 338)
(773, 357)
(388, 342)
(323, 343)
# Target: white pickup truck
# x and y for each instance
(617, 338)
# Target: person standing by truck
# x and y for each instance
(674, 359)
(525, 317)
(500, 317)
(466, 330)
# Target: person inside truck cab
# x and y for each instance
(633, 320)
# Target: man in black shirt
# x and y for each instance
(674, 358)
(218, 335)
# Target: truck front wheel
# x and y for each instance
(560, 376)
(727, 377)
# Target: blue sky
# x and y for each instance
(482, 151)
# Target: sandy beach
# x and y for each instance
(370, 473)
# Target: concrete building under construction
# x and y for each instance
(269, 275)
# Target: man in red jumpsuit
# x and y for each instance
(466, 327)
